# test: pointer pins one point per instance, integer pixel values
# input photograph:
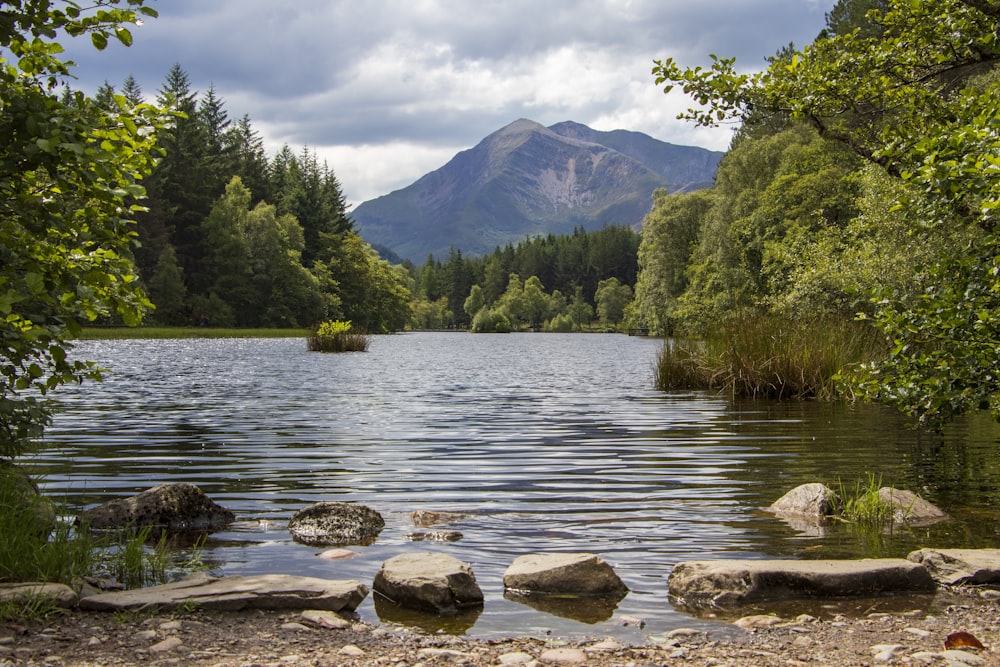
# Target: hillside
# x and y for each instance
(526, 179)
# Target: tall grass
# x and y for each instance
(337, 336)
(767, 356)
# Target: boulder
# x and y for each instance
(953, 567)
(173, 507)
(910, 508)
(733, 582)
(268, 591)
(428, 581)
(578, 574)
(813, 502)
(60, 595)
(334, 524)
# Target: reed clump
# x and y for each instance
(337, 336)
(769, 356)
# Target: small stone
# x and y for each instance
(146, 635)
(295, 627)
(884, 652)
(757, 621)
(170, 626)
(918, 632)
(961, 658)
(325, 619)
(805, 618)
(681, 652)
(351, 650)
(168, 644)
(516, 658)
(680, 633)
(337, 554)
(563, 656)
(446, 653)
(802, 642)
(632, 621)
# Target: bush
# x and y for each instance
(766, 356)
(490, 321)
(561, 324)
(337, 336)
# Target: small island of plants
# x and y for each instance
(337, 336)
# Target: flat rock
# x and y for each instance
(59, 594)
(812, 502)
(269, 591)
(732, 582)
(960, 566)
(581, 574)
(332, 524)
(174, 507)
(428, 581)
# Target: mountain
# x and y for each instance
(526, 179)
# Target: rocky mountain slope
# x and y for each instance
(526, 179)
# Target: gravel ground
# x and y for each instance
(236, 639)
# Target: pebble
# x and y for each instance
(337, 554)
(606, 645)
(447, 653)
(563, 656)
(171, 626)
(295, 627)
(919, 632)
(146, 635)
(351, 650)
(515, 658)
(681, 633)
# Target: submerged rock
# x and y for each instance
(428, 518)
(332, 524)
(428, 581)
(910, 508)
(174, 507)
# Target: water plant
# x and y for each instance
(865, 506)
(754, 355)
(337, 336)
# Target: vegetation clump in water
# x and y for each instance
(337, 336)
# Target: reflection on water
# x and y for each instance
(548, 442)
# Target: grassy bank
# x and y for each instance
(764, 356)
(113, 333)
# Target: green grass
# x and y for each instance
(864, 506)
(113, 333)
(765, 356)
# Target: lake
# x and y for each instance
(550, 442)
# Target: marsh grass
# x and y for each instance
(865, 507)
(121, 333)
(138, 558)
(337, 336)
(767, 356)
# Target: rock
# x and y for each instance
(579, 574)
(168, 644)
(269, 591)
(729, 582)
(435, 536)
(884, 653)
(352, 651)
(324, 619)
(331, 524)
(910, 508)
(445, 654)
(61, 595)
(515, 658)
(813, 502)
(960, 566)
(757, 621)
(428, 581)
(563, 656)
(337, 554)
(174, 507)
(427, 518)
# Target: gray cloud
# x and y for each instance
(358, 81)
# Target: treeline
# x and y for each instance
(232, 237)
(571, 277)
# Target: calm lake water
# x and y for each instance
(551, 442)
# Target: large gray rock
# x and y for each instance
(953, 567)
(579, 574)
(428, 581)
(732, 582)
(174, 507)
(60, 595)
(910, 508)
(333, 524)
(269, 591)
(813, 502)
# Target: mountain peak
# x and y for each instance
(526, 179)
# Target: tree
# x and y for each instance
(612, 298)
(916, 96)
(70, 176)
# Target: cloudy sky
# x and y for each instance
(387, 90)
